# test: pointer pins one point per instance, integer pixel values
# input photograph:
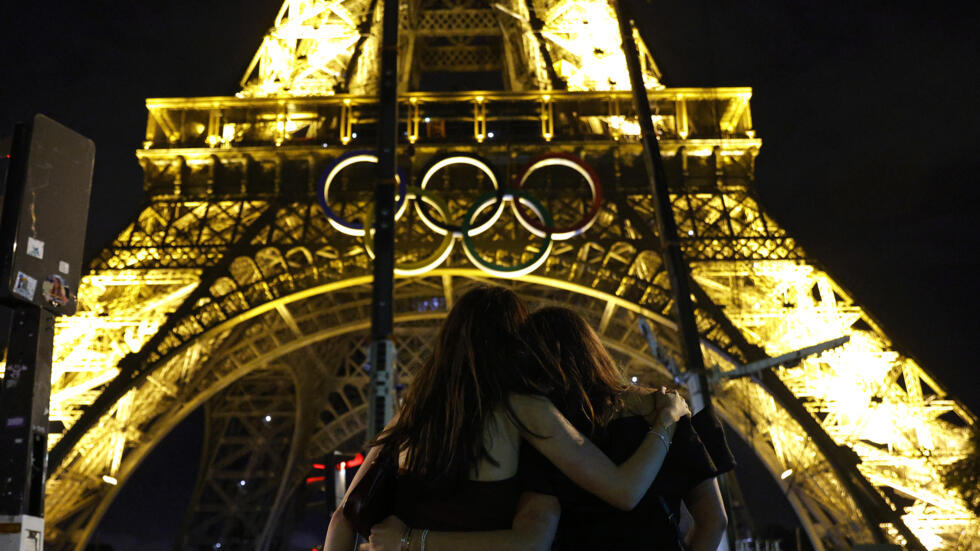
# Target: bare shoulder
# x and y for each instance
(534, 411)
(502, 425)
(530, 404)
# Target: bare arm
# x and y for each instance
(534, 529)
(622, 486)
(535, 523)
(340, 532)
(704, 502)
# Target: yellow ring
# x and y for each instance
(430, 262)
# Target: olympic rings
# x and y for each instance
(326, 178)
(492, 267)
(465, 159)
(480, 216)
(576, 164)
(437, 257)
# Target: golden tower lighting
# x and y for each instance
(232, 289)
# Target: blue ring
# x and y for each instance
(321, 195)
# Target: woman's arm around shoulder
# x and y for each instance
(621, 486)
(535, 523)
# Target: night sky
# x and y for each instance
(867, 112)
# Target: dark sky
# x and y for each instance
(867, 111)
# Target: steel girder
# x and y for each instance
(317, 48)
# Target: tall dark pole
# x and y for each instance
(382, 354)
(677, 268)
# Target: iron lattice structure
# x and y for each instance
(232, 290)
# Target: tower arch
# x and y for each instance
(266, 342)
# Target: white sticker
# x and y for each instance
(25, 285)
(63, 267)
(35, 248)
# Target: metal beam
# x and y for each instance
(844, 463)
(842, 460)
(133, 368)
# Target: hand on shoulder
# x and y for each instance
(670, 407)
(637, 400)
(660, 407)
(386, 535)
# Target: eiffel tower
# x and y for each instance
(235, 290)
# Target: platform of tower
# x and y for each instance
(234, 291)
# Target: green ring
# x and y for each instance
(481, 202)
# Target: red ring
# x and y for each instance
(565, 232)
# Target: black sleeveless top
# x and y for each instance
(471, 505)
(697, 452)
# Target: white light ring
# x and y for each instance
(578, 165)
(466, 160)
(342, 164)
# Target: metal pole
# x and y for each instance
(381, 405)
(677, 268)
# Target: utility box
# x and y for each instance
(45, 185)
(21, 533)
(45, 182)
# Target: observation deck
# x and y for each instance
(196, 132)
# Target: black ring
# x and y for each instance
(457, 229)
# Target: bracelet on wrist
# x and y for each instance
(665, 424)
(663, 437)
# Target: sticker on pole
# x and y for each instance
(25, 286)
(35, 248)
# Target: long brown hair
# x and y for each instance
(582, 379)
(473, 366)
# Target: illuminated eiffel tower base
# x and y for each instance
(233, 290)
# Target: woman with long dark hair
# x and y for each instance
(584, 383)
(457, 439)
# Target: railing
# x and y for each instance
(693, 114)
